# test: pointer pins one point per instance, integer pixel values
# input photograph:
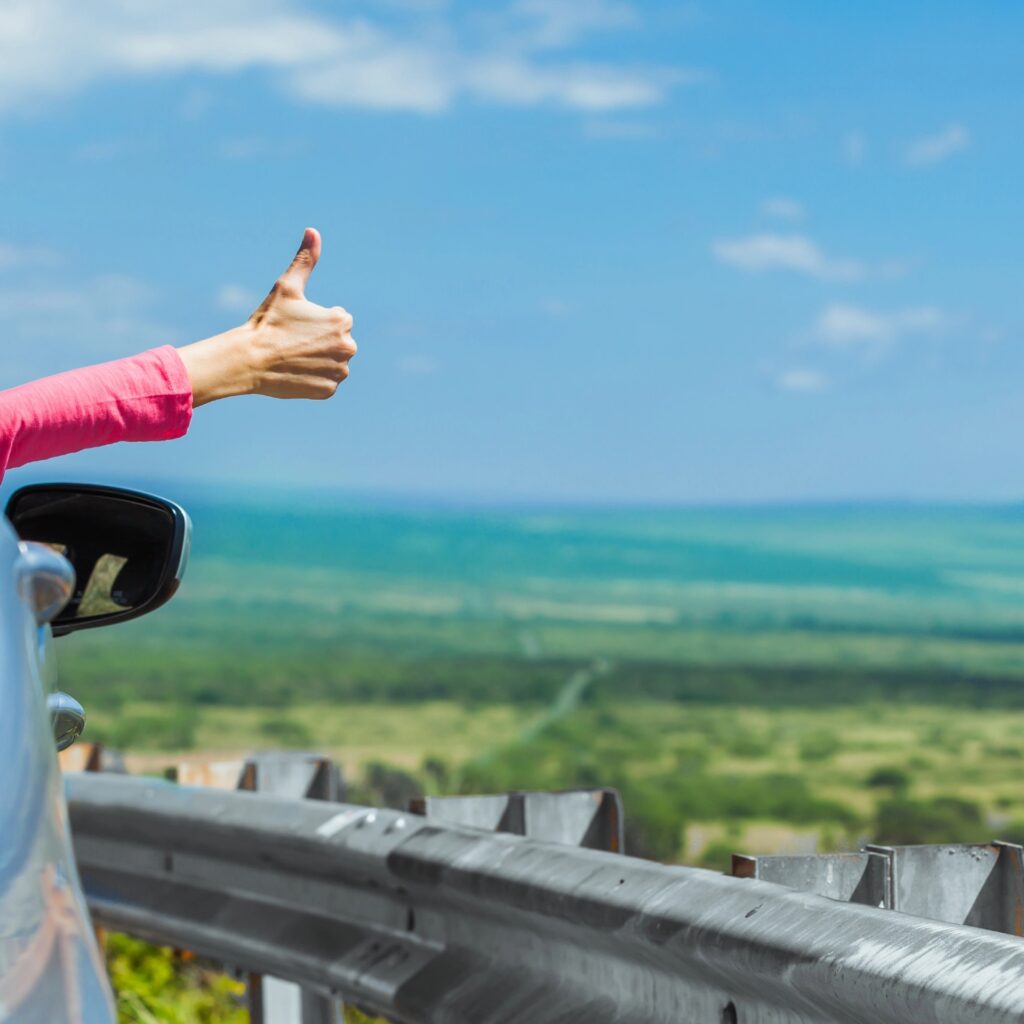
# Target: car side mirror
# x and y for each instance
(128, 549)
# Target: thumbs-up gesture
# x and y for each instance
(289, 348)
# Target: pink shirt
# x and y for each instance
(145, 398)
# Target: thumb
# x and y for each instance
(305, 260)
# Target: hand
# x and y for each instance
(289, 348)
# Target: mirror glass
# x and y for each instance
(67, 717)
(127, 549)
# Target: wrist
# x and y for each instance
(221, 366)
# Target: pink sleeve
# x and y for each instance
(145, 398)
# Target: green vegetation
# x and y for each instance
(154, 986)
(690, 774)
(943, 819)
(750, 680)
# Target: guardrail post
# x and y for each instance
(91, 757)
(853, 877)
(978, 884)
(589, 818)
(295, 776)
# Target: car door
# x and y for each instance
(51, 971)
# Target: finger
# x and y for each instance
(345, 350)
(305, 260)
(342, 317)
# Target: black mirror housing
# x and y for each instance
(128, 549)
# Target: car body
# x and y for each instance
(125, 554)
(51, 971)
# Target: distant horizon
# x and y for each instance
(249, 492)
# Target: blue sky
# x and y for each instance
(596, 250)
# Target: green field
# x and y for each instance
(812, 647)
(753, 680)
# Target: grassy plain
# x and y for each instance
(840, 753)
(753, 680)
(815, 645)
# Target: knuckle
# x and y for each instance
(342, 317)
(285, 286)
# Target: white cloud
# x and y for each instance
(842, 326)
(244, 149)
(235, 299)
(555, 308)
(591, 87)
(855, 148)
(57, 47)
(558, 23)
(100, 152)
(782, 208)
(798, 253)
(421, 6)
(801, 380)
(371, 69)
(933, 149)
(196, 104)
(621, 131)
(48, 328)
(416, 365)
(17, 257)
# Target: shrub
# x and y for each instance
(748, 745)
(888, 778)
(718, 856)
(151, 984)
(169, 728)
(437, 771)
(654, 826)
(1013, 833)
(902, 821)
(385, 786)
(819, 746)
(286, 732)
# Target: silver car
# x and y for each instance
(72, 557)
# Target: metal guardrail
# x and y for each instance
(422, 920)
(980, 884)
(295, 776)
